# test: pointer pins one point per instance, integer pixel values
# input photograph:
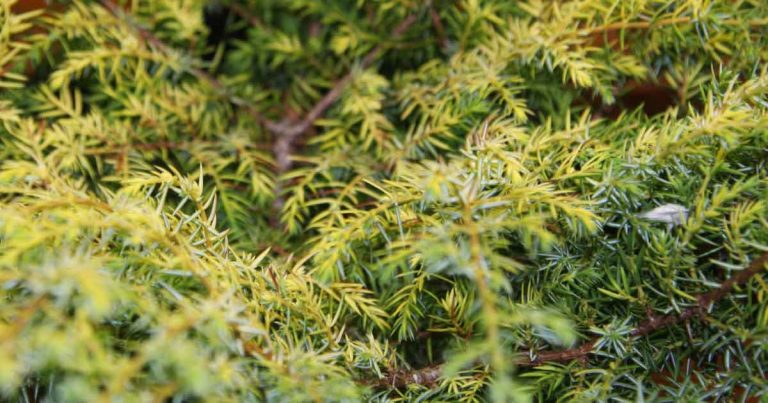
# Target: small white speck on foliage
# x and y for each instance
(672, 214)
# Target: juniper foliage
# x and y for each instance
(305, 200)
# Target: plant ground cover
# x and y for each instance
(450, 200)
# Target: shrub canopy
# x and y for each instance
(303, 200)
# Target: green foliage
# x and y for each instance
(468, 203)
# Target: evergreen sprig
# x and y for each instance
(392, 200)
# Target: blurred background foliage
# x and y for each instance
(303, 200)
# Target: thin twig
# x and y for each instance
(429, 375)
(703, 301)
(289, 130)
(437, 22)
(556, 355)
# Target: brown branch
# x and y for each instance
(442, 40)
(429, 375)
(703, 301)
(578, 353)
(288, 130)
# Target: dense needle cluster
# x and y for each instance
(452, 200)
